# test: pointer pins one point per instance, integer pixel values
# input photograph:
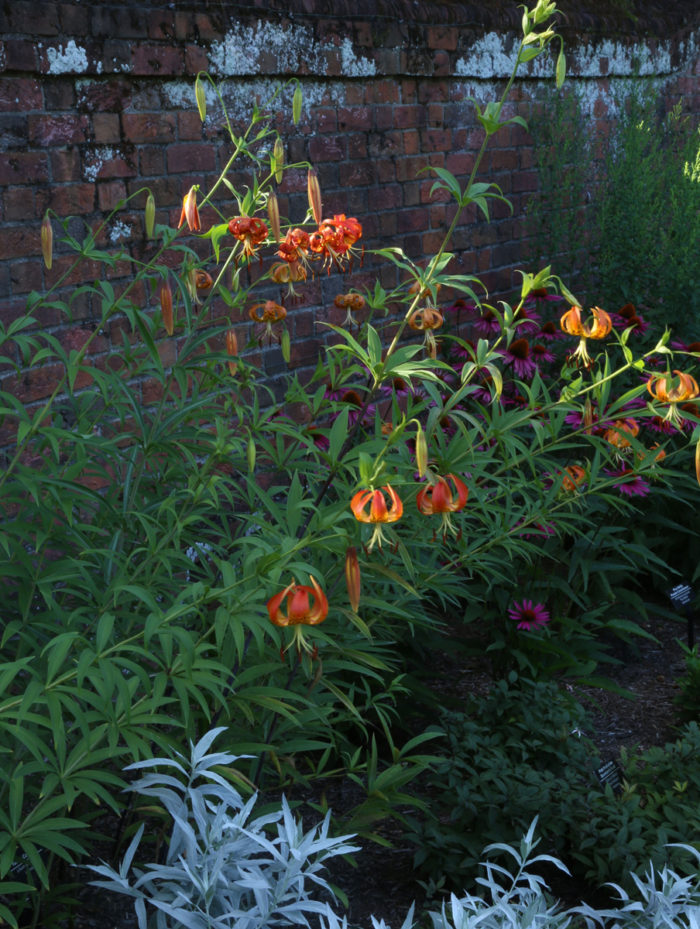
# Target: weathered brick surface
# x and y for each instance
(97, 102)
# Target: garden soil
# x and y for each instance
(382, 881)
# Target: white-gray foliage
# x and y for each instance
(223, 869)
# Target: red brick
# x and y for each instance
(20, 55)
(355, 118)
(65, 166)
(161, 24)
(356, 174)
(412, 220)
(149, 127)
(73, 200)
(18, 204)
(57, 130)
(196, 59)
(20, 93)
(105, 127)
(325, 119)
(436, 140)
(408, 117)
(152, 161)
(357, 145)
(189, 126)
(25, 276)
(101, 164)
(326, 148)
(32, 18)
(442, 66)
(23, 168)
(109, 193)
(524, 181)
(157, 59)
(190, 156)
(105, 95)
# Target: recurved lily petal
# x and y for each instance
(378, 510)
(305, 605)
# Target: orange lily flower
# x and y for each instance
(673, 390)
(378, 513)
(598, 327)
(306, 606)
(426, 320)
(350, 302)
(439, 498)
(572, 476)
(250, 230)
(190, 213)
(618, 433)
(268, 313)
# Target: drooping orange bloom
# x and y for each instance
(250, 230)
(680, 388)
(350, 302)
(306, 606)
(294, 249)
(598, 326)
(572, 477)
(618, 434)
(334, 239)
(190, 212)
(268, 313)
(426, 320)
(439, 498)
(379, 513)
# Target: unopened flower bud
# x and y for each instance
(273, 214)
(150, 215)
(278, 158)
(232, 349)
(421, 452)
(352, 577)
(314, 191)
(47, 240)
(166, 307)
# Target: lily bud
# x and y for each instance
(190, 211)
(47, 240)
(200, 96)
(314, 191)
(150, 215)
(352, 577)
(296, 105)
(273, 214)
(166, 307)
(421, 452)
(278, 157)
(232, 349)
(697, 460)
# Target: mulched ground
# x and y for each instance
(382, 882)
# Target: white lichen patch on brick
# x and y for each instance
(95, 161)
(240, 95)
(269, 47)
(352, 64)
(119, 231)
(241, 49)
(71, 60)
(493, 56)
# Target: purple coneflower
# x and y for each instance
(528, 615)
(541, 353)
(629, 482)
(518, 355)
(487, 325)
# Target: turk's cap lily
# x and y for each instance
(378, 511)
(439, 498)
(598, 326)
(305, 605)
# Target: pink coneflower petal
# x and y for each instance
(519, 356)
(541, 353)
(487, 325)
(630, 484)
(528, 615)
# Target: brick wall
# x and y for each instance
(97, 102)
